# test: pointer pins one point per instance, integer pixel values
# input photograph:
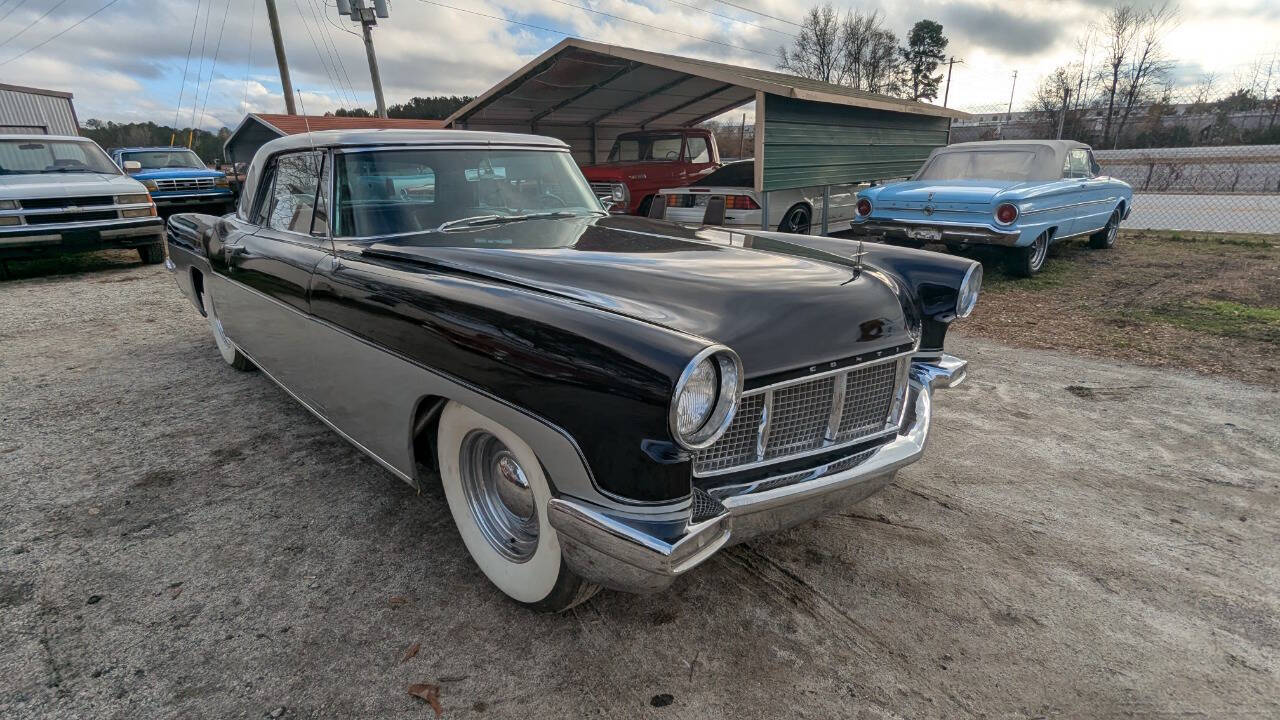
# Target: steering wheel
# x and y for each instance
(559, 202)
(673, 154)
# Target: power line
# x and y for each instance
(333, 84)
(15, 7)
(336, 58)
(662, 29)
(757, 12)
(182, 90)
(204, 42)
(217, 50)
(336, 79)
(32, 24)
(248, 64)
(60, 33)
(730, 18)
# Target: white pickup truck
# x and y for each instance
(64, 194)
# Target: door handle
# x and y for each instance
(234, 251)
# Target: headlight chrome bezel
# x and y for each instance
(970, 289)
(728, 367)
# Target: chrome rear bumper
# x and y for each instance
(948, 232)
(618, 552)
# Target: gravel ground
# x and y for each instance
(1082, 539)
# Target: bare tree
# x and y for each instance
(1119, 27)
(1148, 67)
(882, 65)
(817, 52)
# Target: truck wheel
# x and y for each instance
(230, 353)
(796, 220)
(1105, 238)
(643, 210)
(1027, 261)
(498, 497)
(151, 254)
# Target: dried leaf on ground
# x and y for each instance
(411, 652)
(396, 600)
(430, 693)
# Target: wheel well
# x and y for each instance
(426, 424)
(802, 204)
(197, 287)
(1120, 207)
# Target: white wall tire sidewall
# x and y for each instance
(225, 348)
(530, 581)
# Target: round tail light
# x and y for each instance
(1006, 213)
(864, 207)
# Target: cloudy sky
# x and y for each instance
(127, 61)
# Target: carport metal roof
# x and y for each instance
(586, 93)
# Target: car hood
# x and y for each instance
(914, 192)
(780, 305)
(170, 173)
(66, 185)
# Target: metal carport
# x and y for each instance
(807, 132)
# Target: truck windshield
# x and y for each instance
(29, 157)
(648, 147)
(163, 159)
(981, 165)
(385, 192)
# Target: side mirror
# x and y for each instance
(132, 166)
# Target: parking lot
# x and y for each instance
(1082, 539)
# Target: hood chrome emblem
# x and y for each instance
(928, 209)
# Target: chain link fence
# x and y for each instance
(1195, 165)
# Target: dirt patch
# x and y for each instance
(1202, 302)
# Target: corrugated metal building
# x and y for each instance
(27, 110)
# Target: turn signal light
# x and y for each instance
(740, 202)
(1006, 213)
(864, 207)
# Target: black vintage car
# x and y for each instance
(606, 400)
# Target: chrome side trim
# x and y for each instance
(1113, 198)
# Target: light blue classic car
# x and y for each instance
(1020, 194)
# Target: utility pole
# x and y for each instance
(951, 63)
(285, 83)
(1062, 119)
(358, 11)
(1011, 89)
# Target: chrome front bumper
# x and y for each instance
(618, 552)
(948, 232)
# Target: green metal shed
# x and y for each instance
(807, 133)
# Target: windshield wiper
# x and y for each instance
(499, 219)
(72, 170)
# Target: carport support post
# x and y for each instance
(826, 202)
(764, 209)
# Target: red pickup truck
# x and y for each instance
(642, 163)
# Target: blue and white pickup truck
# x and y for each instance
(178, 179)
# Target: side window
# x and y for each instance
(1078, 165)
(320, 217)
(698, 151)
(295, 183)
(1093, 165)
(667, 148)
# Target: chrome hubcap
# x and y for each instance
(1112, 229)
(1041, 249)
(499, 495)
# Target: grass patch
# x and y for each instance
(1222, 317)
(1056, 272)
(1265, 242)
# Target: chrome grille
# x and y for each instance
(184, 184)
(809, 415)
(601, 189)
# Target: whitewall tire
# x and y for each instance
(226, 348)
(498, 496)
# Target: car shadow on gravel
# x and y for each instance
(68, 264)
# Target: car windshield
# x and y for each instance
(981, 165)
(162, 159)
(648, 147)
(383, 192)
(738, 174)
(24, 157)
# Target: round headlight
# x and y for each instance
(706, 397)
(969, 289)
(619, 192)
